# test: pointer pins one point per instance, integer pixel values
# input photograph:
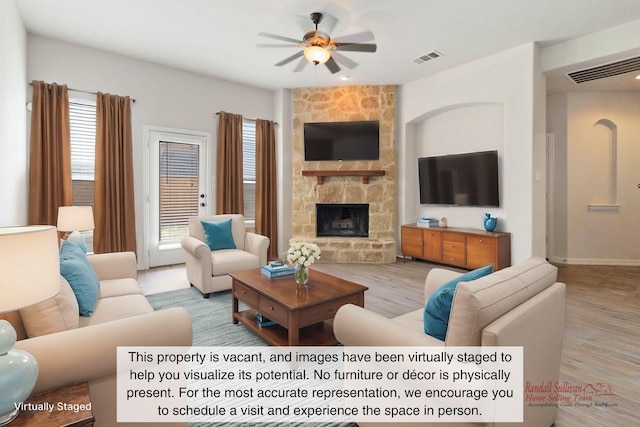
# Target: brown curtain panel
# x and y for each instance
(114, 211)
(266, 185)
(229, 194)
(50, 153)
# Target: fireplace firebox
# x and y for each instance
(342, 220)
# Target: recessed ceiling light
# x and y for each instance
(344, 78)
(638, 77)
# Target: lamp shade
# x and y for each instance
(75, 218)
(30, 266)
(316, 54)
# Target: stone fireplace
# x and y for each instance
(346, 185)
(342, 220)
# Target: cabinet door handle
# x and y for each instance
(271, 308)
(481, 241)
(244, 292)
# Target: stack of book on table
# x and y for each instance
(263, 321)
(277, 269)
(427, 222)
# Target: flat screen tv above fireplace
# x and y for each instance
(342, 141)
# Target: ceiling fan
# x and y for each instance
(319, 48)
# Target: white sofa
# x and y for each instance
(209, 270)
(522, 305)
(70, 348)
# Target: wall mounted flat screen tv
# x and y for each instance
(342, 141)
(469, 179)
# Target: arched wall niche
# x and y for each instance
(421, 118)
(603, 159)
(454, 129)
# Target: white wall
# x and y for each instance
(557, 127)
(510, 81)
(164, 96)
(13, 98)
(598, 236)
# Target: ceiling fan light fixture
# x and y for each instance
(316, 54)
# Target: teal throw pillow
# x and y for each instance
(218, 235)
(75, 267)
(438, 308)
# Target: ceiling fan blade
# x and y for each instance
(301, 64)
(356, 47)
(365, 36)
(281, 38)
(332, 66)
(277, 45)
(289, 59)
(344, 60)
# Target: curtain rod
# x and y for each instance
(275, 123)
(87, 91)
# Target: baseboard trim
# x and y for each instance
(596, 261)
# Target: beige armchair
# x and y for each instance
(209, 270)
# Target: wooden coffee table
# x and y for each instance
(303, 312)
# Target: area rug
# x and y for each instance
(210, 317)
(212, 326)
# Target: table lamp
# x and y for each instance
(73, 220)
(29, 274)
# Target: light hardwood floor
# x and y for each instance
(602, 331)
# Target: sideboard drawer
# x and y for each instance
(454, 249)
(414, 234)
(453, 237)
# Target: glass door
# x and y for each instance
(178, 191)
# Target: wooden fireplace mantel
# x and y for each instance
(365, 174)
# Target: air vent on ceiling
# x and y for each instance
(606, 70)
(426, 57)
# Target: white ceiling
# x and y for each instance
(218, 37)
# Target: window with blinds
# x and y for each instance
(249, 168)
(82, 126)
(178, 189)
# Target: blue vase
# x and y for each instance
(489, 222)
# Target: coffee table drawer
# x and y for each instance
(273, 310)
(246, 295)
(325, 311)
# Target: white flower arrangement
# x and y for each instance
(303, 253)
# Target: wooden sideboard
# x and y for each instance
(460, 247)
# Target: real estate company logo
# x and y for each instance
(556, 393)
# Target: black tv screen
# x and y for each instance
(469, 179)
(342, 141)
